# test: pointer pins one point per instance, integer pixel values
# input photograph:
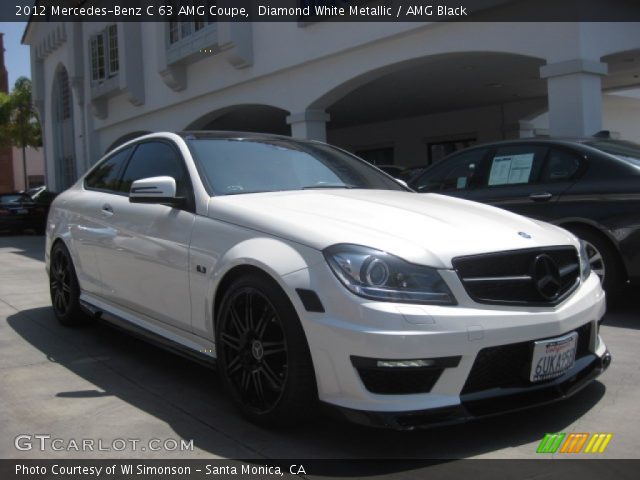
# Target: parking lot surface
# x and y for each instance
(97, 383)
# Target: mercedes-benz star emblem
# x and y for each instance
(546, 277)
(257, 350)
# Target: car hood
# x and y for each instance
(427, 229)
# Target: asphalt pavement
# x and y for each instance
(97, 383)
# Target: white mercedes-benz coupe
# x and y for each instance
(308, 276)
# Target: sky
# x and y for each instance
(16, 56)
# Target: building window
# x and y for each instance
(105, 62)
(174, 32)
(182, 29)
(377, 156)
(97, 58)
(35, 180)
(185, 29)
(114, 62)
(438, 150)
(65, 96)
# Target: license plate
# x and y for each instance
(22, 211)
(553, 357)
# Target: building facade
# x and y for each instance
(403, 93)
(34, 161)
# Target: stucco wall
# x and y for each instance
(35, 165)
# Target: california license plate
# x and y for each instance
(553, 357)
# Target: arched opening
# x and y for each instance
(416, 112)
(125, 138)
(63, 131)
(244, 118)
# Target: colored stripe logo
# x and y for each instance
(574, 443)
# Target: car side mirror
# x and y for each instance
(155, 190)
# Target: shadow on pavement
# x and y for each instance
(173, 389)
(31, 246)
(625, 311)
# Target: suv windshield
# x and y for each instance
(628, 151)
(235, 166)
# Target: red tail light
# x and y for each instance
(4, 211)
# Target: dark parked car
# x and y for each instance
(589, 186)
(393, 170)
(42, 196)
(411, 173)
(19, 212)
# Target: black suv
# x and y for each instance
(589, 186)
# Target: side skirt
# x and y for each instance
(155, 335)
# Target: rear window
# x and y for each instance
(628, 151)
(515, 165)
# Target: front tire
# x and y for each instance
(64, 288)
(263, 356)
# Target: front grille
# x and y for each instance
(508, 366)
(519, 277)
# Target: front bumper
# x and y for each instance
(488, 403)
(353, 327)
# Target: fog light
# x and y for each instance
(384, 376)
(405, 363)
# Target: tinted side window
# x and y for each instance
(106, 175)
(456, 173)
(560, 166)
(155, 159)
(515, 165)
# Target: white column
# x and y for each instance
(575, 97)
(309, 125)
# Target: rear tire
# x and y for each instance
(604, 261)
(64, 288)
(263, 356)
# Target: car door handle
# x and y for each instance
(107, 210)
(541, 196)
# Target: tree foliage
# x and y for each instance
(19, 125)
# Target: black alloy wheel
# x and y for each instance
(263, 358)
(64, 289)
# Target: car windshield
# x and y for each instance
(627, 151)
(236, 166)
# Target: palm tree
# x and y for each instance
(19, 124)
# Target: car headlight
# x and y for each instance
(585, 266)
(377, 275)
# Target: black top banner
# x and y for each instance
(310, 11)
